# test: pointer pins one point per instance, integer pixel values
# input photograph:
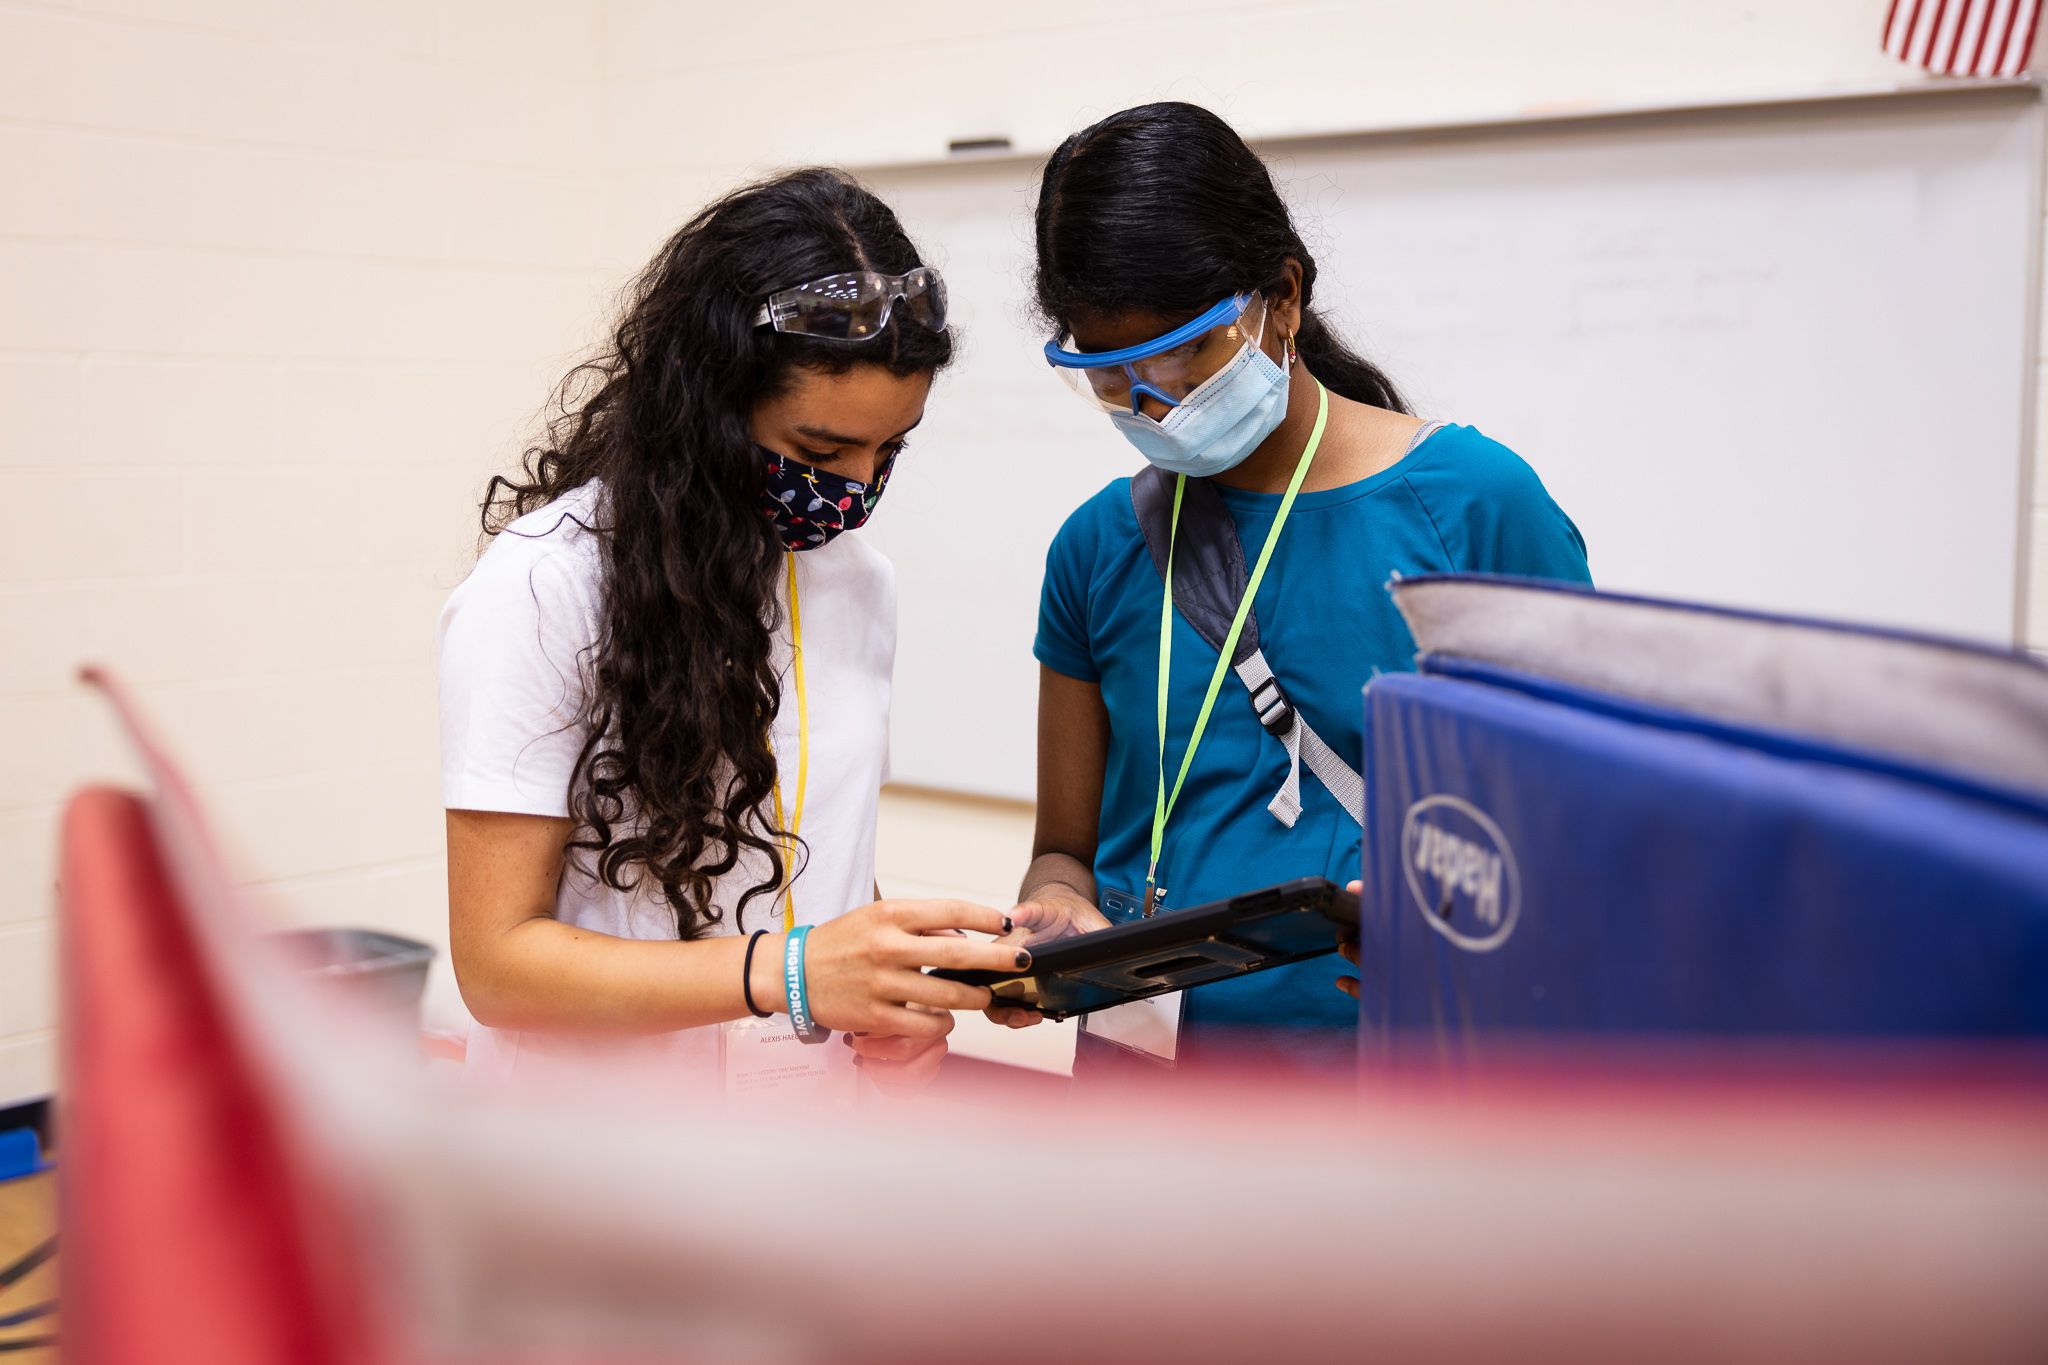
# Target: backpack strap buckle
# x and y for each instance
(1276, 713)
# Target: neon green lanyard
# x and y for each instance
(1162, 809)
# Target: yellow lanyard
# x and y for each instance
(803, 757)
(1162, 809)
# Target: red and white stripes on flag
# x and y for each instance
(1963, 37)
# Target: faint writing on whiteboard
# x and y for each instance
(1641, 298)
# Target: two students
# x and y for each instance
(665, 687)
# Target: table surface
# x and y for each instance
(28, 1215)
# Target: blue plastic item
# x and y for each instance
(21, 1153)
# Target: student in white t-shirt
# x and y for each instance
(665, 685)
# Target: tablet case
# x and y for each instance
(1182, 948)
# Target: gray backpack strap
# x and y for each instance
(1303, 745)
(1209, 578)
(1422, 433)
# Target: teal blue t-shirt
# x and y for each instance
(1456, 502)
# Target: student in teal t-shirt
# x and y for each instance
(1181, 295)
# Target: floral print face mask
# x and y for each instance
(809, 506)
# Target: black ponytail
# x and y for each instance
(1164, 208)
(1342, 370)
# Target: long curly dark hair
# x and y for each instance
(1164, 208)
(679, 688)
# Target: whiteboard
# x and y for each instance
(1779, 359)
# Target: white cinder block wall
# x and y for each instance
(281, 281)
(280, 284)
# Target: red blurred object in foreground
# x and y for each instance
(189, 1233)
(180, 1216)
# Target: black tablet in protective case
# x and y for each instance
(1181, 948)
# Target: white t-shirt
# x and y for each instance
(511, 641)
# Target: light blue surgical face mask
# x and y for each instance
(1219, 423)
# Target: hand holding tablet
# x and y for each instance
(1126, 962)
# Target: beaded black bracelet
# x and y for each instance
(747, 978)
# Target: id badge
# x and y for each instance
(762, 1061)
(1150, 1028)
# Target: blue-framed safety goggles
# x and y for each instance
(1167, 368)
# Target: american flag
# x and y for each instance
(1963, 37)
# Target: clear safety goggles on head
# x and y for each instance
(856, 305)
(1168, 367)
